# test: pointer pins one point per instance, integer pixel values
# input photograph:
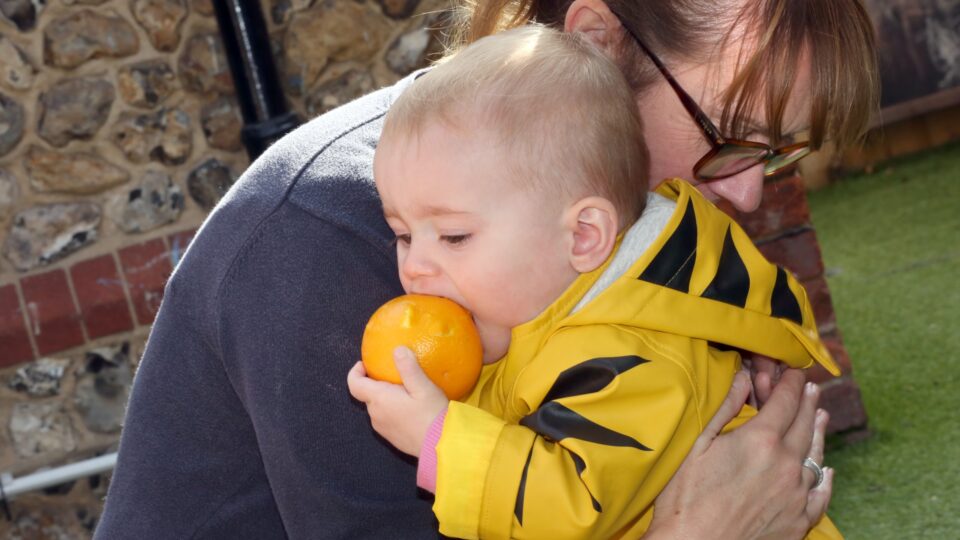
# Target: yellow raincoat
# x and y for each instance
(584, 421)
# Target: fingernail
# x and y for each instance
(810, 388)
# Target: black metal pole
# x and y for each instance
(263, 105)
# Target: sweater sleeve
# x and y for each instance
(609, 419)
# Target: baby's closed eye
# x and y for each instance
(455, 239)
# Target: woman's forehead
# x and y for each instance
(753, 118)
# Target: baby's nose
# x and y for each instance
(418, 267)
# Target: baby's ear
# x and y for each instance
(593, 224)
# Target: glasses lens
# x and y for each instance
(781, 160)
(729, 160)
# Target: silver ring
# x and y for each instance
(817, 471)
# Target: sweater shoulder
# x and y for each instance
(323, 169)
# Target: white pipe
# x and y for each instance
(59, 475)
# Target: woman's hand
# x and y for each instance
(750, 483)
(400, 413)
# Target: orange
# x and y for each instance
(438, 331)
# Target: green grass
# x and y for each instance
(891, 245)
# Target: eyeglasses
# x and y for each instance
(727, 157)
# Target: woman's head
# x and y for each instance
(760, 69)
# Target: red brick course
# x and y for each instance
(841, 398)
(103, 306)
(819, 295)
(798, 253)
(14, 341)
(784, 209)
(103, 302)
(146, 268)
(54, 317)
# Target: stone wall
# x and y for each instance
(119, 131)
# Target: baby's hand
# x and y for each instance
(402, 414)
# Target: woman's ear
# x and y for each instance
(595, 21)
(593, 226)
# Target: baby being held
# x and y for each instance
(515, 178)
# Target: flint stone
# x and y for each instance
(11, 124)
(22, 13)
(222, 123)
(146, 84)
(328, 33)
(281, 10)
(75, 173)
(408, 52)
(398, 9)
(164, 136)
(41, 428)
(71, 40)
(41, 525)
(9, 193)
(39, 379)
(203, 7)
(16, 71)
(209, 182)
(42, 234)
(335, 92)
(203, 66)
(152, 203)
(74, 109)
(103, 388)
(161, 21)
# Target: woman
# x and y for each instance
(240, 424)
(747, 66)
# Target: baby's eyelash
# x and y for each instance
(456, 239)
(400, 238)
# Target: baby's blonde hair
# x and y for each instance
(553, 101)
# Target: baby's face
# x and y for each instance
(467, 231)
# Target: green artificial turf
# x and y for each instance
(891, 246)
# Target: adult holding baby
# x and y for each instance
(240, 424)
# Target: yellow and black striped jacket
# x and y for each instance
(579, 427)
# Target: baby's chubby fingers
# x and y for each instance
(361, 387)
(415, 381)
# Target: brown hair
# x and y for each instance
(558, 108)
(836, 34)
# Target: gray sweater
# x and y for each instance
(240, 424)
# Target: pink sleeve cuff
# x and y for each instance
(427, 466)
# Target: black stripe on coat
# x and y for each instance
(732, 281)
(673, 265)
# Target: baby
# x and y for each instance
(515, 178)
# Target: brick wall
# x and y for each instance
(55, 310)
(782, 230)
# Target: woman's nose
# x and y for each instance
(744, 190)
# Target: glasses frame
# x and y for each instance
(717, 141)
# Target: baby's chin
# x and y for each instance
(495, 342)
